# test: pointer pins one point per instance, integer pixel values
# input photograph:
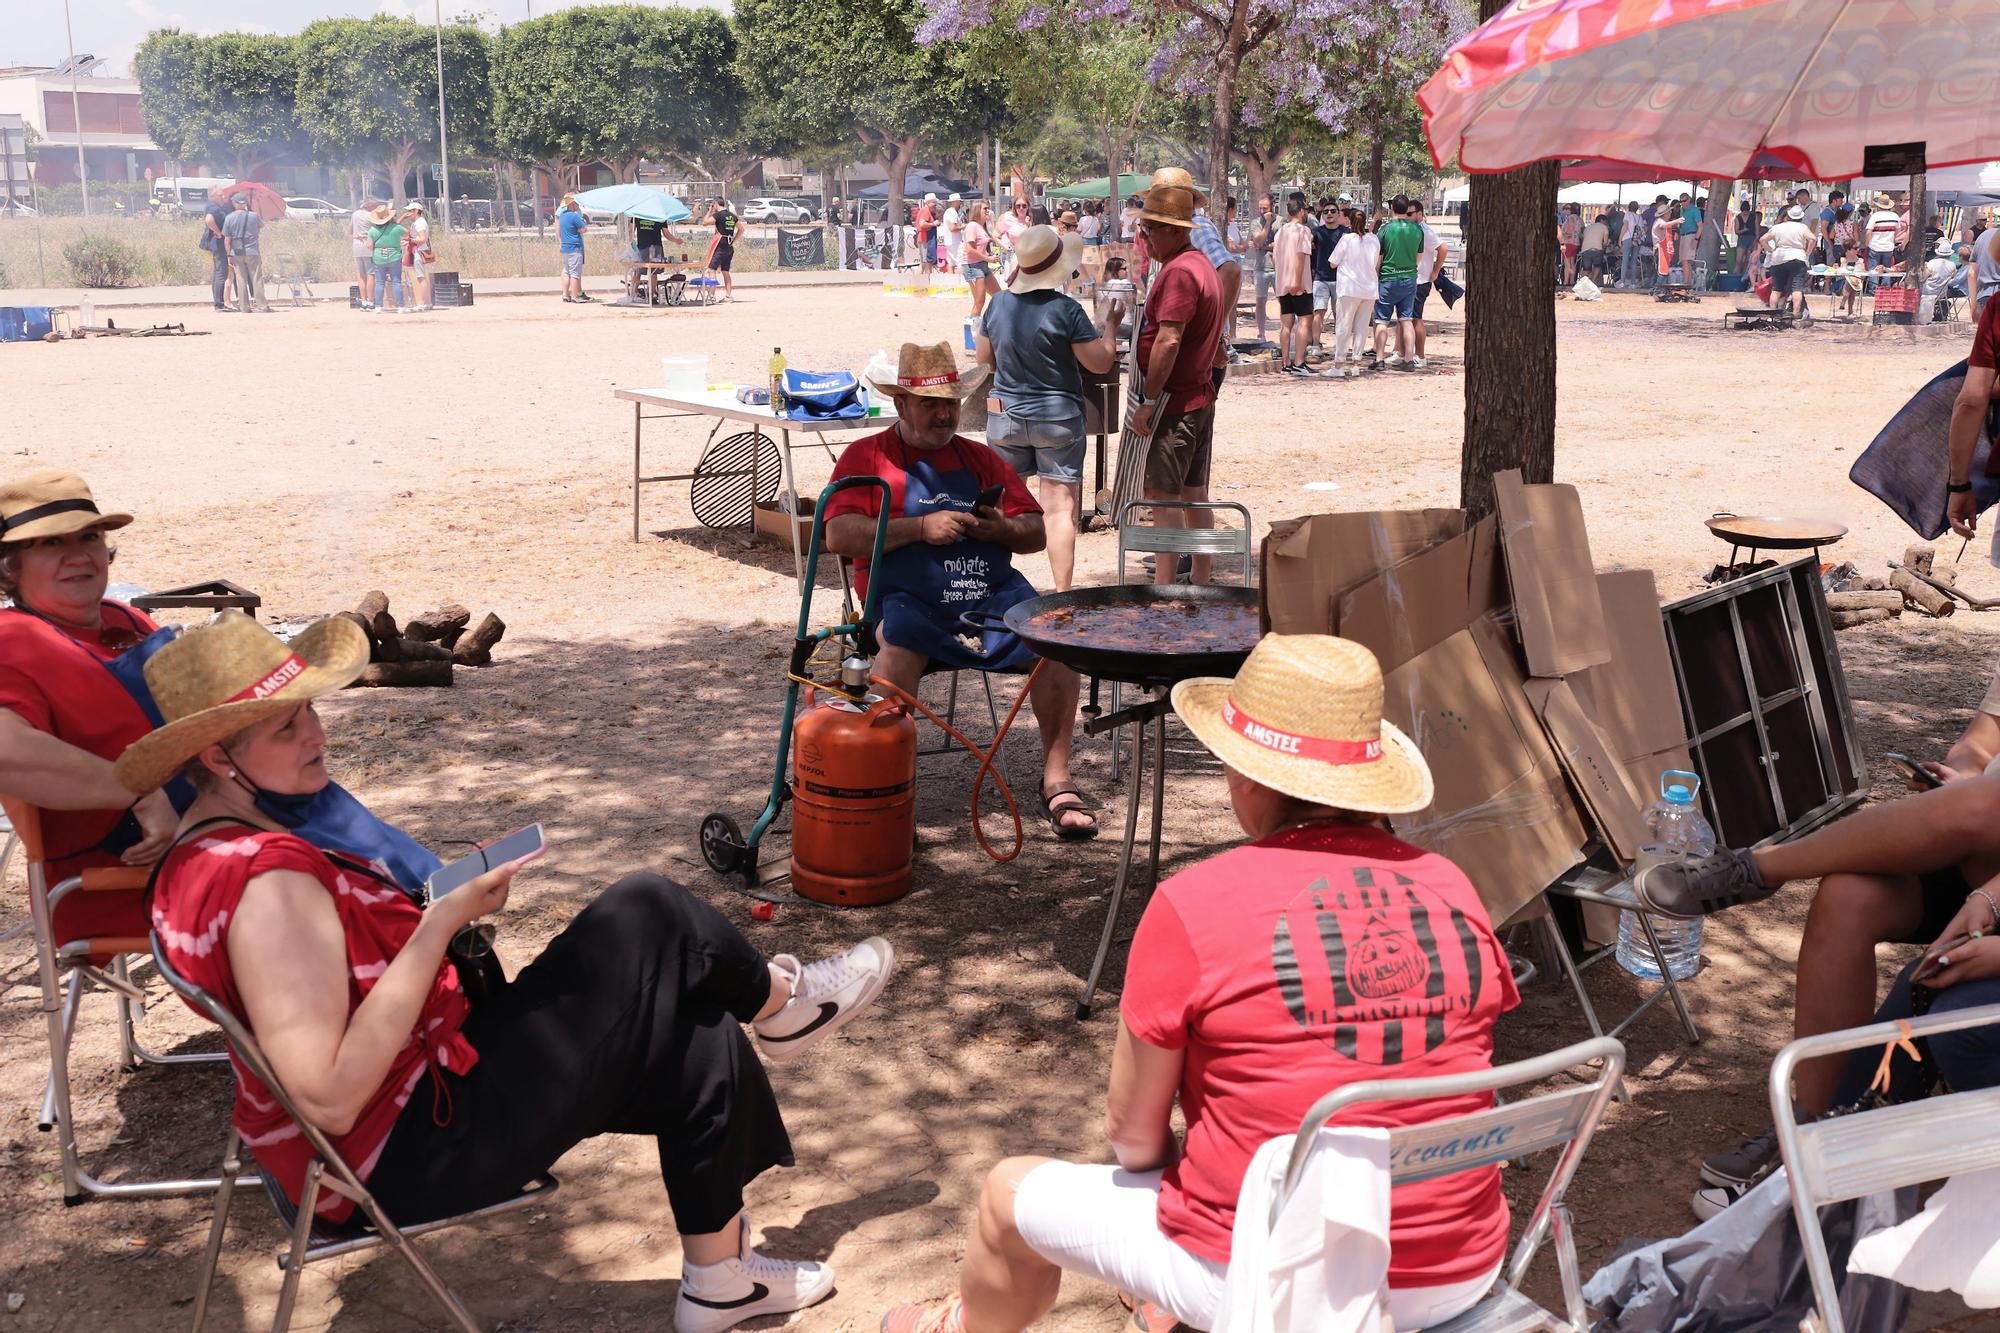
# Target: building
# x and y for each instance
(116, 145)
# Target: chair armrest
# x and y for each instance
(106, 879)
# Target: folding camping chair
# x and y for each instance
(1854, 1155)
(67, 969)
(19, 928)
(945, 744)
(1173, 543)
(1565, 1119)
(312, 1240)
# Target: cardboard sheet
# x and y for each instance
(1308, 563)
(1406, 611)
(1502, 812)
(1615, 804)
(1551, 576)
(1634, 697)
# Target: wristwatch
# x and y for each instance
(1957, 487)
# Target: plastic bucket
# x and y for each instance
(684, 373)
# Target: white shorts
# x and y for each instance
(1102, 1222)
(1322, 295)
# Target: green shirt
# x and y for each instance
(388, 239)
(1401, 240)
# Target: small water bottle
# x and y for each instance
(1676, 832)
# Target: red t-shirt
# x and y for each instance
(48, 678)
(1186, 292)
(194, 902)
(1985, 353)
(886, 456)
(925, 222)
(1291, 966)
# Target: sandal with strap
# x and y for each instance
(1054, 813)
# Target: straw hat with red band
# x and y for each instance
(1044, 260)
(928, 370)
(232, 673)
(1304, 717)
(51, 504)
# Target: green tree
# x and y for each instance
(853, 67)
(228, 99)
(615, 84)
(368, 91)
(1108, 89)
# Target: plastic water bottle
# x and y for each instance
(1676, 832)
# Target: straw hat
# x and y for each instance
(1304, 717)
(1169, 199)
(51, 504)
(1044, 259)
(1177, 176)
(928, 370)
(382, 215)
(230, 674)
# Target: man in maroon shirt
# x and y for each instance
(1968, 414)
(1177, 340)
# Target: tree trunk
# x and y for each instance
(1510, 333)
(399, 167)
(1713, 219)
(1375, 176)
(1915, 252)
(1222, 132)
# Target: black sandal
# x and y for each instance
(1054, 814)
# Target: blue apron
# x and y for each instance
(330, 818)
(926, 588)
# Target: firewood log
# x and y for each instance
(406, 673)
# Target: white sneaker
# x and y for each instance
(715, 1297)
(367, 305)
(1353, 372)
(1417, 362)
(825, 995)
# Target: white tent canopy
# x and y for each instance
(1978, 178)
(1601, 193)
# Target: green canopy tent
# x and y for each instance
(1129, 184)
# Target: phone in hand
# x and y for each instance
(521, 844)
(1913, 770)
(989, 499)
(1929, 966)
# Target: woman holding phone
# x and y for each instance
(629, 1022)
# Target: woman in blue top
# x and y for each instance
(570, 223)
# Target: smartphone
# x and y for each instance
(1929, 967)
(989, 498)
(518, 845)
(1913, 770)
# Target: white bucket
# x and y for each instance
(971, 332)
(684, 373)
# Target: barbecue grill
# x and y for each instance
(1151, 636)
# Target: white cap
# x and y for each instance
(930, 198)
(955, 199)
(1795, 213)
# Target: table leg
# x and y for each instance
(786, 481)
(1159, 798)
(637, 419)
(1133, 791)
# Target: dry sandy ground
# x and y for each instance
(478, 456)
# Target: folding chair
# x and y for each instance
(1172, 544)
(1565, 1118)
(67, 969)
(19, 928)
(1851, 1156)
(313, 1240)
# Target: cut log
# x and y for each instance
(1918, 558)
(1841, 619)
(1889, 601)
(1873, 583)
(386, 631)
(406, 673)
(1922, 594)
(416, 650)
(357, 619)
(1945, 574)
(374, 604)
(476, 648)
(432, 626)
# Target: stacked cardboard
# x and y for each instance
(1539, 690)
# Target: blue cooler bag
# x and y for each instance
(25, 323)
(815, 396)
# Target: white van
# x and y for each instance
(184, 194)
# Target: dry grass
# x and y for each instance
(165, 254)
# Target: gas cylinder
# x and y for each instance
(854, 800)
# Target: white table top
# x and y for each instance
(720, 401)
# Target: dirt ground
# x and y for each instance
(478, 456)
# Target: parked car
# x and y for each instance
(810, 203)
(774, 210)
(315, 209)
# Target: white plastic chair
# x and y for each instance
(1862, 1153)
(1565, 1118)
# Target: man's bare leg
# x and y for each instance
(901, 667)
(1957, 824)
(1166, 564)
(1850, 915)
(1054, 699)
(1202, 568)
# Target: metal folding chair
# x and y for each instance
(1565, 1119)
(313, 1241)
(67, 969)
(1851, 1156)
(19, 928)
(945, 744)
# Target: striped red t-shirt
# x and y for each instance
(194, 901)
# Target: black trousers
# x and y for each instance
(630, 1022)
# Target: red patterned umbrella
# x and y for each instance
(1702, 87)
(265, 202)
(1766, 167)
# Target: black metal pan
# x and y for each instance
(1137, 633)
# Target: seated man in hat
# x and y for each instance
(946, 554)
(1320, 952)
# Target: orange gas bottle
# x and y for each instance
(854, 801)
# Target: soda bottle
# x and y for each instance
(1676, 832)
